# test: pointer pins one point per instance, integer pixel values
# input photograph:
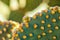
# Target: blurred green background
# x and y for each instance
(30, 5)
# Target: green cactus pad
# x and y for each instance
(42, 26)
(6, 30)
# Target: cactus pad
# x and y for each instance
(42, 26)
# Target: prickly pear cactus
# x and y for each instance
(6, 30)
(42, 26)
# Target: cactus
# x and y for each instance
(42, 26)
(6, 29)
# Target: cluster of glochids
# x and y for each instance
(42, 26)
(6, 29)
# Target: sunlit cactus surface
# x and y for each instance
(43, 25)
